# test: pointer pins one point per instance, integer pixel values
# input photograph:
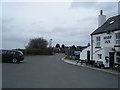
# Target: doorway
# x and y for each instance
(111, 59)
(88, 56)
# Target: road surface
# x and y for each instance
(52, 72)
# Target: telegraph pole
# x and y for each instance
(50, 43)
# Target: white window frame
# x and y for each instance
(98, 41)
(117, 38)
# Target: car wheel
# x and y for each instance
(18, 61)
(14, 60)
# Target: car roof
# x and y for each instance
(12, 50)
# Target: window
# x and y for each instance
(117, 38)
(118, 57)
(13, 52)
(10, 52)
(111, 22)
(98, 39)
(3, 52)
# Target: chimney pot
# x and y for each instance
(101, 12)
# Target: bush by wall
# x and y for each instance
(47, 51)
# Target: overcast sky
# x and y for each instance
(69, 23)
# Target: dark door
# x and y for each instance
(111, 59)
(88, 56)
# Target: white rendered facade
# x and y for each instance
(104, 45)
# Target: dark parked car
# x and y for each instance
(12, 56)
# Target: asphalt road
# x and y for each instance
(51, 72)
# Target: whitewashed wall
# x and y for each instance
(105, 47)
(83, 54)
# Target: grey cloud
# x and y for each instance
(7, 25)
(14, 38)
(68, 36)
(73, 40)
(96, 5)
(62, 29)
(18, 34)
(36, 23)
(66, 32)
(7, 29)
(77, 30)
(89, 21)
(72, 35)
(90, 18)
(110, 8)
(12, 42)
(83, 4)
(8, 20)
(12, 45)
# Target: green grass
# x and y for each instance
(69, 58)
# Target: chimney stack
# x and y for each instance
(101, 18)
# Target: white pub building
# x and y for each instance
(105, 41)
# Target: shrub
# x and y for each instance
(46, 51)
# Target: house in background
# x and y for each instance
(85, 53)
(105, 41)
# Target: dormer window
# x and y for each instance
(111, 22)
